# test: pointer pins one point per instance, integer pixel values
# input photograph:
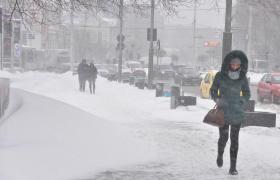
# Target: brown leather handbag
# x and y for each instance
(215, 117)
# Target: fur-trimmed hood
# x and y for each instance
(235, 54)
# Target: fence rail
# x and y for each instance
(4, 95)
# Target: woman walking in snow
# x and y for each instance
(230, 81)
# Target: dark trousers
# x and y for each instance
(92, 86)
(82, 83)
(234, 138)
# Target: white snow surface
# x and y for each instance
(61, 133)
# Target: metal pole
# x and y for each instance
(249, 33)
(227, 35)
(1, 39)
(71, 37)
(158, 49)
(1, 49)
(20, 45)
(151, 49)
(12, 45)
(194, 32)
(157, 56)
(121, 34)
(228, 16)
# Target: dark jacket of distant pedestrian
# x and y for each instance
(92, 77)
(230, 90)
(83, 70)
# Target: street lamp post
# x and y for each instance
(227, 35)
(71, 36)
(151, 49)
(120, 48)
(194, 32)
(1, 39)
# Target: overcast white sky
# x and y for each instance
(207, 16)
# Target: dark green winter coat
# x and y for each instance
(229, 90)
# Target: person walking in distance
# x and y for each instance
(92, 77)
(230, 90)
(83, 69)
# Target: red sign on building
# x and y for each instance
(212, 43)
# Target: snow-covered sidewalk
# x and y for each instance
(47, 139)
(185, 147)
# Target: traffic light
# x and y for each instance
(120, 39)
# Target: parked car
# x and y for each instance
(161, 73)
(269, 88)
(133, 65)
(103, 73)
(112, 74)
(187, 76)
(138, 78)
(177, 67)
(167, 74)
(126, 74)
(206, 84)
(102, 70)
(139, 74)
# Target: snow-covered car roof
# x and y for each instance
(126, 70)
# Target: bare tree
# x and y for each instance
(263, 32)
(271, 6)
(46, 11)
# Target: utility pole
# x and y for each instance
(194, 32)
(12, 44)
(249, 35)
(158, 49)
(227, 35)
(1, 38)
(151, 49)
(121, 37)
(71, 35)
(85, 37)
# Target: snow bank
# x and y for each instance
(47, 139)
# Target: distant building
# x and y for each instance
(181, 38)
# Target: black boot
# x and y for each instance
(219, 160)
(232, 170)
